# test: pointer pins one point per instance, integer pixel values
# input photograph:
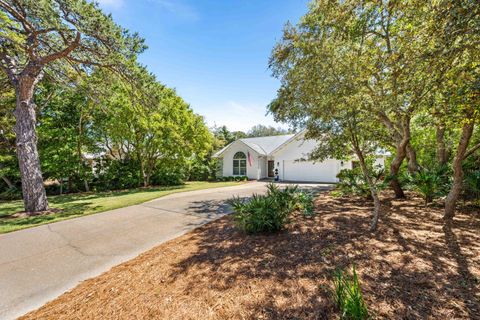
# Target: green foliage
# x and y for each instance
(47, 32)
(266, 213)
(305, 203)
(117, 175)
(472, 185)
(233, 178)
(430, 183)
(260, 130)
(11, 194)
(353, 182)
(347, 294)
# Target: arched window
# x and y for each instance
(239, 164)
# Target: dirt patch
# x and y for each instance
(24, 214)
(411, 268)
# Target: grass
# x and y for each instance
(82, 204)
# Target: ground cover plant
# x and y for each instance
(270, 212)
(75, 205)
(347, 294)
(411, 268)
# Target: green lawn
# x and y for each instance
(83, 204)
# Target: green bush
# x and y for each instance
(11, 194)
(117, 175)
(430, 183)
(305, 203)
(352, 181)
(347, 295)
(232, 178)
(266, 213)
(471, 185)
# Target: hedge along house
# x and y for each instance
(258, 158)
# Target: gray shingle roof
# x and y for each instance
(265, 145)
(262, 145)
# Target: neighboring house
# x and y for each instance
(257, 158)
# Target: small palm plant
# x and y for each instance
(270, 212)
(347, 295)
(429, 183)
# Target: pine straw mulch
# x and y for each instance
(411, 268)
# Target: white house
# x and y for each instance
(257, 158)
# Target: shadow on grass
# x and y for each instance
(410, 268)
(68, 205)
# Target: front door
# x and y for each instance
(271, 166)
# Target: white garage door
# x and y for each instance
(308, 171)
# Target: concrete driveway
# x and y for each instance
(39, 264)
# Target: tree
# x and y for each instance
(323, 65)
(454, 27)
(39, 37)
(260, 130)
(223, 134)
(150, 124)
(7, 138)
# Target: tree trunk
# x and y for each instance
(451, 201)
(400, 155)
(412, 159)
(372, 187)
(441, 149)
(34, 196)
(394, 169)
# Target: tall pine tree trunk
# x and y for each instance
(451, 200)
(34, 196)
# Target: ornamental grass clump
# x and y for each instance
(347, 295)
(266, 213)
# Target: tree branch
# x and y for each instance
(63, 53)
(471, 151)
(9, 66)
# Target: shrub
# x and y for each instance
(352, 181)
(232, 178)
(430, 183)
(11, 194)
(347, 295)
(116, 175)
(265, 213)
(305, 203)
(471, 185)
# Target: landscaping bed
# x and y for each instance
(411, 268)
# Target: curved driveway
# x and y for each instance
(40, 263)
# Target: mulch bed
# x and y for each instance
(411, 268)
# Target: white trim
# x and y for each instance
(288, 141)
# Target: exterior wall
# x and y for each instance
(253, 172)
(286, 161)
(289, 168)
(262, 164)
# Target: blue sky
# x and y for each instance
(214, 52)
